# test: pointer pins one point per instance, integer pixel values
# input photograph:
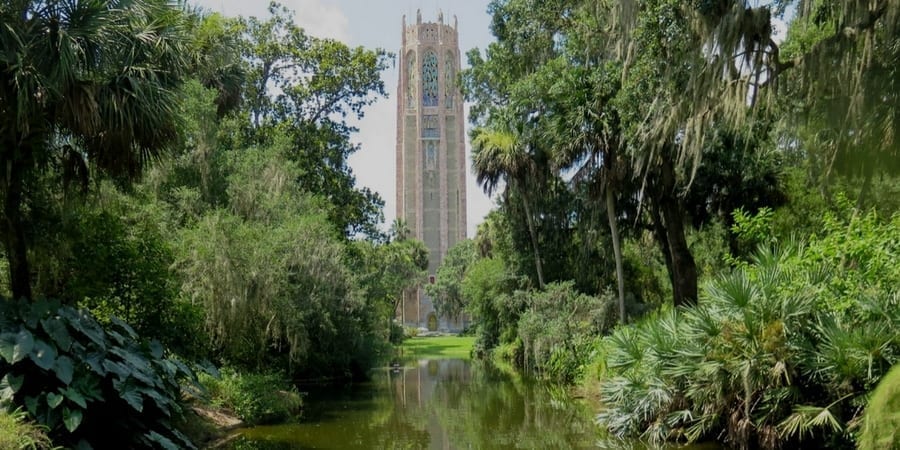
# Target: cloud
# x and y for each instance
(318, 17)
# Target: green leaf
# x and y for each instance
(163, 441)
(22, 348)
(6, 396)
(58, 332)
(75, 395)
(125, 327)
(64, 369)
(72, 418)
(7, 344)
(94, 362)
(43, 354)
(84, 324)
(130, 393)
(163, 402)
(31, 404)
(54, 400)
(156, 349)
(13, 382)
(122, 371)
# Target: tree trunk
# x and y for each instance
(659, 231)
(684, 269)
(617, 250)
(866, 187)
(14, 233)
(534, 243)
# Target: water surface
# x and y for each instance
(434, 404)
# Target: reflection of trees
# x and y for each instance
(500, 410)
(444, 404)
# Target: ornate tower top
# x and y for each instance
(430, 32)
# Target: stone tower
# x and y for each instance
(431, 162)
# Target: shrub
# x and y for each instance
(780, 351)
(558, 327)
(255, 398)
(88, 384)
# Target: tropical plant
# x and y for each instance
(780, 351)
(500, 156)
(87, 384)
(86, 83)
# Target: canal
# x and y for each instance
(434, 404)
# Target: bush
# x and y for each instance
(255, 398)
(781, 352)
(88, 384)
(17, 432)
(557, 330)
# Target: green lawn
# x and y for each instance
(437, 347)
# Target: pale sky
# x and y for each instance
(371, 24)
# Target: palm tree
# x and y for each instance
(100, 76)
(499, 155)
(400, 230)
(586, 129)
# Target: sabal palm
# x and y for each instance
(101, 75)
(587, 139)
(498, 155)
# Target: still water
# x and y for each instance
(434, 404)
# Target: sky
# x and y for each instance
(378, 24)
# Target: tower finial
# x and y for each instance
(418, 17)
(455, 23)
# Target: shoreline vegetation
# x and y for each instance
(237, 400)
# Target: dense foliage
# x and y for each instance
(255, 398)
(178, 183)
(778, 350)
(690, 153)
(89, 385)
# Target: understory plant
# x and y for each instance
(90, 385)
(782, 351)
(255, 398)
(18, 432)
(558, 327)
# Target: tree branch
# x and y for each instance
(845, 33)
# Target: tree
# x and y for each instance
(86, 83)
(318, 84)
(500, 156)
(447, 287)
(584, 128)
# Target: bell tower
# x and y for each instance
(431, 163)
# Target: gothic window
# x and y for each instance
(449, 81)
(411, 80)
(430, 79)
(430, 155)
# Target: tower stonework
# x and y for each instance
(431, 163)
